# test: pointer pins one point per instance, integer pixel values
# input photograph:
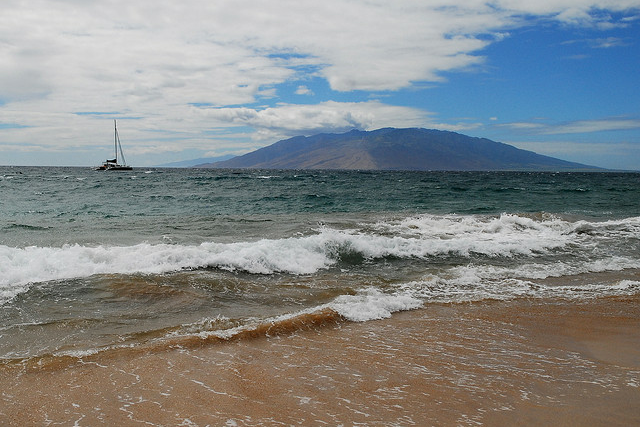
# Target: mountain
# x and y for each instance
(194, 162)
(396, 149)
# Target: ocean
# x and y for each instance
(203, 297)
(95, 261)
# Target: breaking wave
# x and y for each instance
(565, 247)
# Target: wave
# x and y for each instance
(18, 226)
(368, 304)
(462, 239)
(469, 284)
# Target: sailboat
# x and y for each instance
(112, 164)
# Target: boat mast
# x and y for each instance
(118, 147)
(115, 139)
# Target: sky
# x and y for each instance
(208, 78)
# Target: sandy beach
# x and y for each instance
(524, 362)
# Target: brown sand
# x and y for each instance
(526, 362)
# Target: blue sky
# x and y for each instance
(199, 78)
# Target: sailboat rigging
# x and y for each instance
(112, 164)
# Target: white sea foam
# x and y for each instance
(469, 285)
(372, 304)
(421, 237)
(544, 225)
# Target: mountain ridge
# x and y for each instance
(396, 149)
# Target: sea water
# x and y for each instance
(97, 261)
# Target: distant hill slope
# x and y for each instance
(396, 149)
(194, 162)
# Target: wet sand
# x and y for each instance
(525, 362)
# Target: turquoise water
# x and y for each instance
(91, 261)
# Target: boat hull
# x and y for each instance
(113, 168)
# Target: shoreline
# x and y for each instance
(519, 362)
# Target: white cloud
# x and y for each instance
(585, 126)
(608, 42)
(220, 52)
(600, 43)
(526, 126)
(578, 126)
(303, 90)
(328, 116)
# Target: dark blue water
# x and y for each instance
(69, 205)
